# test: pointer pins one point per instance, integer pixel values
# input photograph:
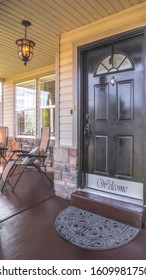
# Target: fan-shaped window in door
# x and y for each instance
(116, 62)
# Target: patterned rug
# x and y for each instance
(91, 231)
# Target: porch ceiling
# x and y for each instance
(49, 18)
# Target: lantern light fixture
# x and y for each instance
(24, 45)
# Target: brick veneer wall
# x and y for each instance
(65, 171)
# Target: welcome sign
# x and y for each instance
(115, 186)
(111, 185)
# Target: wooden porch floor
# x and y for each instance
(27, 228)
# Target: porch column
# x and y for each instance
(65, 171)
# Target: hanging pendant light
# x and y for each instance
(25, 46)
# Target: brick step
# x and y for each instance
(123, 212)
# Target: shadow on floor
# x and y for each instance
(31, 190)
(28, 231)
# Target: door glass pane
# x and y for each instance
(126, 64)
(102, 69)
(118, 59)
(106, 62)
(117, 62)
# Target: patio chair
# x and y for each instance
(3, 142)
(35, 159)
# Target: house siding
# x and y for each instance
(65, 96)
(8, 107)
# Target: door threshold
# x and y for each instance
(113, 196)
(121, 211)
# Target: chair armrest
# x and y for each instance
(3, 149)
(31, 156)
(19, 151)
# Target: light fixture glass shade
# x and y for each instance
(25, 49)
(25, 46)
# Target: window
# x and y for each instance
(26, 109)
(114, 63)
(47, 103)
(1, 85)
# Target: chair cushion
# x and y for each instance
(27, 160)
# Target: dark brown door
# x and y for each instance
(114, 110)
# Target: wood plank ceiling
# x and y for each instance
(49, 18)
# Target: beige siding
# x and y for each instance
(66, 104)
(65, 98)
(8, 106)
(9, 96)
(66, 120)
(123, 21)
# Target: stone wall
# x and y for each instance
(65, 171)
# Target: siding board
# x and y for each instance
(66, 83)
(66, 97)
(66, 60)
(66, 75)
(64, 112)
(66, 90)
(66, 119)
(64, 54)
(66, 105)
(65, 142)
(66, 68)
(65, 127)
(66, 134)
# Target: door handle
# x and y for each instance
(87, 134)
(87, 130)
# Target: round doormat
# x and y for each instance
(91, 231)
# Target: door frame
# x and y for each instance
(81, 50)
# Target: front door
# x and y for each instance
(114, 114)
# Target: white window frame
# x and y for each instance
(48, 106)
(17, 110)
